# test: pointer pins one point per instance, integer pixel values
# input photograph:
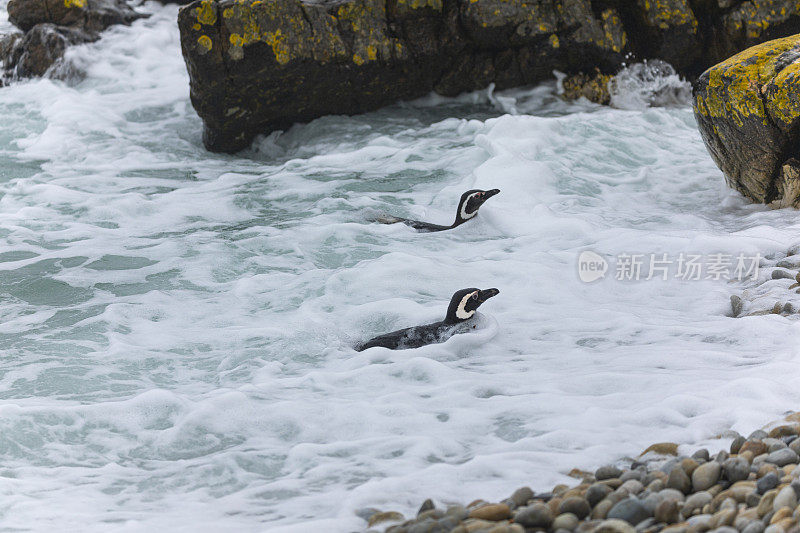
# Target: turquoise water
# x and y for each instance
(177, 326)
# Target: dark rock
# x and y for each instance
(767, 482)
(701, 455)
(537, 515)
(782, 457)
(630, 510)
(521, 496)
(427, 505)
(593, 87)
(575, 505)
(596, 492)
(607, 472)
(736, 469)
(42, 47)
(678, 480)
(89, 15)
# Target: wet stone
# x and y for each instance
(758, 434)
(696, 502)
(493, 512)
(701, 455)
(737, 443)
(521, 496)
(630, 510)
(607, 472)
(785, 498)
(575, 505)
(566, 521)
(783, 457)
(706, 475)
(678, 480)
(427, 505)
(534, 515)
(755, 526)
(596, 492)
(736, 469)
(614, 526)
(667, 511)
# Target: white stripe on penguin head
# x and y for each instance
(464, 214)
(461, 312)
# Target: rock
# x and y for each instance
(521, 496)
(593, 87)
(534, 515)
(576, 506)
(42, 47)
(737, 305)
(601, 510)
(630, 510)
(678, 480)
(746, 111)
(782, 457)
(767, 482)
(427, 505)
(493, 512)
(597, 492)
(696, 502)
(736, 469)
(614, 526)
(607, 472)
(785, 498)
(724, 517)
(566, 521)
(89, 15)
(667, 511)
(765, 505)
(632, 486)
(754, 527)
(701, 455)
(382, 517)
(706, 475)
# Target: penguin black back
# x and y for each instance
(468, 207)
(463, 306)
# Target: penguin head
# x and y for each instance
(470, 202)
(465, 302)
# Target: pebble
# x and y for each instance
(576, 506)
(783, 457)
(614, 526)
(566, 521)
(767, 482)
(381, 517)
(596, 492)
(754, 527)
(607, 472)
(706, 475)
(633, 486)
(678, 480)
(492, 512)
(534, 515)
(696, 502)
(736, 445)
(755, 446)
(701, 454)
(630, 510)
(521, 496)
(785, 498)
(667, 511)
(736, 469)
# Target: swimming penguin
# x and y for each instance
(462, 307)
(468, 207)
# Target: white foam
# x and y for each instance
(178, 325)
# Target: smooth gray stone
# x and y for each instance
(783, 457)
(630, 510)
(607, 472)
(596, 492)
(767, 482)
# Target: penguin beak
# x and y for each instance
(486, 294)
(490, 193)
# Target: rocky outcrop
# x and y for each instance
(260, 65)
(748, 111)
(52, 25)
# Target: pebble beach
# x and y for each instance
(752, 487)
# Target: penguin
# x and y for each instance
(462, 307)
(468, 207)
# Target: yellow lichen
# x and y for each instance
(554, 41)
(205, 42)
(196, 27)
(358, 60)
(206, 14)
(75, 3)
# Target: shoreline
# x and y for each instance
(752, 487)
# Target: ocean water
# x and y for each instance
(177, 327)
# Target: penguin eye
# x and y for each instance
(474, 295)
